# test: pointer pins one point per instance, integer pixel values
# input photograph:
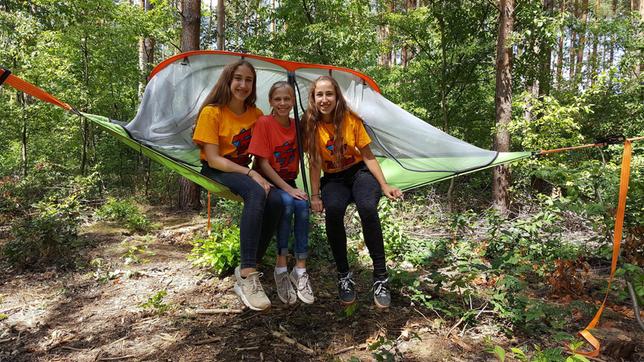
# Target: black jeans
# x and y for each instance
(355, 184)
(260, 216)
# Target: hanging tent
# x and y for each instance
(411, 152)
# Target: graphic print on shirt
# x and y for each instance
(241, 142)
(347, 160)
(285, 155)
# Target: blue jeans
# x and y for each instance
(299, 209)
(260, 216)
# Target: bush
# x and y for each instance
(219, 251)
(124, 211)
(48, 234)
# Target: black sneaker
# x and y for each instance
(346, 288)
(381, 295)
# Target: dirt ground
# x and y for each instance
(95, 313)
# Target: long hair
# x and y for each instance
(220, 95)
(281, 84)
(313, 118)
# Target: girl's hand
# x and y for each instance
(297, 194)
(316, 204)
(260, 180)
(391, 192)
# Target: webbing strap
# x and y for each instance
(5, 74)
(31, 89)
(617, 239)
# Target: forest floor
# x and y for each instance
(96, 312)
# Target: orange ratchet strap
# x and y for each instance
(617, 239)
(31, 89)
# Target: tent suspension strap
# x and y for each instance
(5, 74)
(298, 132)
(600, 142)
(617, 239)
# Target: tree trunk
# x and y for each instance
(23, 133)
(221, 24)
(545, 77)
(573, 44)
(594, 64)
(190, 24)
(638, 6)
(582, 41)
(146, 52)
(189, 192)
(503, 101)
(560, 48)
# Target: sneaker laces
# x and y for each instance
(303, 283)
(255, 284)
(346, 282)
(284, 282)
(380, 287)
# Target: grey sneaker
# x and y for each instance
(346, 288)
(250, 291)
(381, 295)
(303, 287)
(284, 288)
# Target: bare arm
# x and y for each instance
(272, 175)
(216, 161)
(373, 166)
(314, 177)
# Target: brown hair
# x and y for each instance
(220, 95)
(312, 119)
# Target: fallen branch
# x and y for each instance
(347, 349)
(217, 311)
(207, 340)
(297, 344)
(117, 358)
(247, 348)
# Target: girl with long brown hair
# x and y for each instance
(223, 133)
(337, 143)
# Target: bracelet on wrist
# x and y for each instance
(249, 171)
(316, 195)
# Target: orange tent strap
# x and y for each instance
(31, 89)
(617, 239)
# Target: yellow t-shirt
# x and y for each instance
(355, 138)
(220, 126)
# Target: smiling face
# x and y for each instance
(282, 101)
(242, 84)
(325, 98)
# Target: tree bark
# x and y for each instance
(573, 44)
(594, 64)
(190, 24)
(545, 76)
(189, 192)
(221, 24)
(146, 52)
(503, 101)
(582, 41)
(560, 48)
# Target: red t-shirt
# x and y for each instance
(277, 144)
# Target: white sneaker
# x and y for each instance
(285, 290)
(302, 286)
(250, 291)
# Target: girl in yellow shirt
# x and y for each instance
(223, 132)
(338, 144)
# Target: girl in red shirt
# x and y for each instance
(274, 145)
